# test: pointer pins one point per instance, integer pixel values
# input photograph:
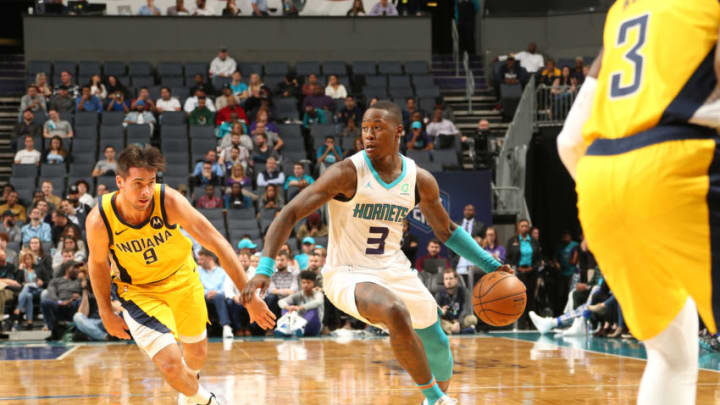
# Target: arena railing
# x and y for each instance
(469, 81)
(553, 104)
(456, 48)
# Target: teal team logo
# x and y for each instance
(417, 219)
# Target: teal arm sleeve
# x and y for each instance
(266, 267)
(463, 244)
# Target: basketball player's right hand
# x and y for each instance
(115, 325)
(505, 268)
(259, 281)
(260, 313)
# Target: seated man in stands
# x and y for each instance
(283, 283)
(440, 125)
(144, 97)
(298, 181)
(25, 127)
(107, 166)
(309, 86)
(202, 85)
(271, 174)
(29, 155)
(48, 191)
(417, 139)
(231, 107)
(329, 153)
(273, 138)
(87, 318)
(409, 111)
(36, 228)
(192, 102)
(62, 100)
(289, 87)
(212, 278)
(9, 226)
(62, 300)
(33, 101)
(383, 8)
(433, 253)
(87, 102)
(13, 204)
(210, 156)
(202, 115)
(167, 102)
(67, 82)
(140, 116)
(318, 99)
(209, 200)
(457, 316)
(350, 112)
(57, 127)
(206, 176)
(308, 303)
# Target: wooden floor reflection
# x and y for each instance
(488, 370)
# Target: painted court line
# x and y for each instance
(67, 353)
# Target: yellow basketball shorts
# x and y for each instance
(649, 205)
(161, 312)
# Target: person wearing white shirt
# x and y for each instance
(440, 125)
(530, 60)
(202, 9)
(335, 89)
(192, 102)
(223, 65)
(28, 156)
(178, 9)
(167, 102)
(238, 314)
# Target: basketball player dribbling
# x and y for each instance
(367, 275)
(136, 246)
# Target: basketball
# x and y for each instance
(499, 298)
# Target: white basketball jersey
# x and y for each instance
(367, 230)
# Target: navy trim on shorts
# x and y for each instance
(142, 318)
(713, 201)
(664, 133)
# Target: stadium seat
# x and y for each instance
(80, 169)
(423, 81)
(237, 233)
(175, 181)
(172, 81)
(174, 145)
(247, 68)
(334, 68)
(286, 109)
(194, 68)
(307, 67)
(272, 81)
(112, 118)
(39, 66)
(447, 158)
(289, 131)
(428, 92)
(202, 132)
(375, 92)
(66, 142)
(376, 81)
(64, 66)
(173, 132)
(177, 159)
(276, 68)
(417, 68)
(390, 68)
(24, 171)
(66, 116)
(395, 81)
(23, 183)
(84, 146)
(181, 93)
(114, 69)
(108, 181)
(88, 68)
(84, 157)
(140, 69)
(173, 118)
(363, 68)
(220, 82)
(294, 144)
(86, 133)
(247, 213)
(139, 134)
(86, 119)
(141, 81)
(169, 69)
(177, 169)
(52, 170)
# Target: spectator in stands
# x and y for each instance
(261, 150)
(409, 242)
(239, 88)
(26, 127)
(409, 112)
(212, 278)
(313, 227)
(271, 199)
(491, 245)
(210, 156)
(239, 317)
(84, 196)
(357, 146)
(351, 131)
(329, 153)
(578, 71)
(12, 256)
(62, 100)
(73, 196)
(140, 115)
(472, 225)
(298, 181)
(42, 257)
(58, 225)
(144, 97)
(207, 176)
(202, 115)
(48, 191)
(56, 153)
(237, 175)
(335, 89)
(97, 88)
(201, 84)
(56, 127)
(222, 100)
(230, 9)
(318, 99)
(263, 117)
(307, 246)
(118, 102)
(239, 155)
(523, 253)
(100, 191)
(202, 10)
(313, 116)
(433, 253)
(167, 102)
(237, 137)
(209, 200)
(289, 87)
(308, 88)
(70, 240)
(62, 300)
(9, 226)
(255, 84)
(383, 8)
(550, 73)
(178, 9)
(283, 283)
(350, 112)
(87, 102)
(35, 278)
(67, 82)
(193, 102)
(566, 265)
(417, 139)
(510, 73)
(42, 84)
(225, 130)
(235, 198)
(36, 228)
(72, 213)
(260, 8)
(530, 59)
(44, 208)
(107, 166)
(456, 313)
(87, 319)
(223, 65)
(271, 174)
(29, 155)
(149, 9)
(232, 107)
(357, 9)
(440, 125)
(10, 281)
(308, 303)
(33, 100)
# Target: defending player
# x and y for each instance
(649, 182)
(133, 233)
(367, 275)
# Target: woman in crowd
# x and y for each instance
(237, 175)
(263, 115)
(271, 199)
(235, 198)
(335, 89)
(239, 88)
(357, 146)
(357, 9)
(56, 153)
(523, 253)
(67, 243)
(42, 257)
(313, 226)
(97, 88)
(491, 246)
(35, 277)
(42, 85)
(255, 84)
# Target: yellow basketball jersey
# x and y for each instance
(148, 252)
(657, 66)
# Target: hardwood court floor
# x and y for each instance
(515, 369)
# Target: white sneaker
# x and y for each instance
(543, 325)
(444, 400)
(227, 332)
(578, 328)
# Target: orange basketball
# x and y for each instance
(499, 298)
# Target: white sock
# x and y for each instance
(201, 397)
(671, 372)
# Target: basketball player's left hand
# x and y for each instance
(505, 268)
(260, 313)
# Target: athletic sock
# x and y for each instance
(201, 397)
(568, 317)
(431, 390)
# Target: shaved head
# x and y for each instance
(393, 111)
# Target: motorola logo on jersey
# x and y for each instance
(156, 222)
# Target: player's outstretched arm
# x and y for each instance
(180, 212)
(99, 269)
(338, 179)
(454, 236)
